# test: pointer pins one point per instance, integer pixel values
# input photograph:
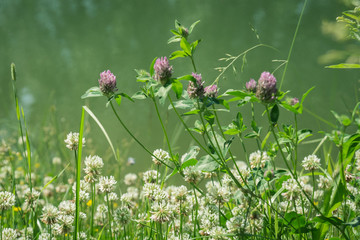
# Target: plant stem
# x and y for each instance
(128, 131)
(109, 214)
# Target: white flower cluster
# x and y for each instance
(311, 162)
(258, 159)
(107, 184)
(160, 156)
(7, 200)
(72, 141)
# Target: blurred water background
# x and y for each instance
(60, 47)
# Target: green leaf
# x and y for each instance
(191, 28)
(192, 153)
(184, 44)
(126, 96)
(151, 71)
(162, 93)
(344, 65)
(188, 163)
(192, 112)
(207, 163)
(210, 117)
(194, 45)
(232, 131)
(177, 54)
(92, 92)
(183, 104)
(139, 95)
(177, 87)
(274, 114)
(186, 77)
(118, 99)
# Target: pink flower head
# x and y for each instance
(294, 101)
(107, 83)
(211, 91)
(251, 86)
(163, 70)
(196, 89)
(266, 89)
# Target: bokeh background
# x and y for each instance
(61, 46)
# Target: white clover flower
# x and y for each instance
(130, 179)
(191, 175)
(72, 141)
(151, 176)
(162, 212)
(107, 184)
(102, 208)
(160, 156)
(181, 193)
(7, 200)
(235, 224)
(324, 182)
(56, 161)
(122, 215)
(65, 224)
(45, 236)
(218, 233)
(150, 190)
(84, 194)
(112, 197)
(258, 159)
(293, 189)
(311, 162)
(9, 234)
(93, 166)
(49, 214)
(67, 207)
(218, 194)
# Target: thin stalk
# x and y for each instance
(162, 124)
(292, 44)
(130, 133)
(92, 208)
(193, 63)
(2, 222)
(109, 214)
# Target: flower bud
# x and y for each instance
(211, 91)
(266, 89)
(163, 70)
(107, 83)
(196, 90)
(251, 86)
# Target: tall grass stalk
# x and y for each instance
(78, 174)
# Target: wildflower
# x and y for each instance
(150, 190)
(218, 194)
(266, 89)
(56, 160)
(49, 215)
(324, 182)
(311, 162)
(131, 161)
(181, 193)
(7, 200)
(93, 165)
(72, 141)
(163, 70)
(84, 190)
(31, 198)
(151, 176)
(191, 175)
(112, 197)
(67, 207)
(293, 189)
(65, 224)
(45, 236)
(161, 212)
(218, 233)
(106, 184)
(9, 234)
(211, 91)
(122, 215)
(160, 156)
(251, 86)
(196, 89)
(130, 179)
(107, 83)
(348, 175)
(258, 159)
(294, 101)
